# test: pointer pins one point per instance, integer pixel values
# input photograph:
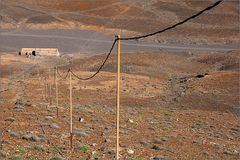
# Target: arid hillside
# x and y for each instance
(172, 107)
(220, 25)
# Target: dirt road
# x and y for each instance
(90, 42)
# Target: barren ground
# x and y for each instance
(179, 90)
(172, 107)
(220, 25)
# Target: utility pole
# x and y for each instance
(118, 98)
(56, 89)
(0, 79)
(50, 88)
(71, 125)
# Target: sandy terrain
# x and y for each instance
(220, 25)
(167, 101)
(179, 90)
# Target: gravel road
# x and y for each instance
(90, 42)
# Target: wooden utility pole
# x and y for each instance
(71, 125)
(118, 97)
(0, 81)
(50, 88)
(56, 86)
(46, 88)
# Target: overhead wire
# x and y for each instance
(144, 36)
(175, 25)
(100, 68)
(87, 44)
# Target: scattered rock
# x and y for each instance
(20, 102)
(94, 152)
(56, 158)
(164, 139)
(4, 142)
(48, 117)
(107, 140)
(39, 148)
(200, 76)
(9, 119)
(28, 103)
(197, 142)
(19, 110)
(230, 151)
(145, 143)
(43, 138)
(14, 134)
(36, 138)
(80, 133)
(28, 137)
(2, 155)
(130, 151)
(130, 121)
(54, 126)
(156, 148)
(80, 119)
(235, 129)
(110, 151)
(160, 158)
(160, 141)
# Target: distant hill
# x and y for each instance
(220, 25)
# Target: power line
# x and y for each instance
(140, 37)
(63, 76)
(100, 68)
(175, 25)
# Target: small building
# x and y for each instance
(41, 51)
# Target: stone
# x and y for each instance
(107, 140)
(9, 119)
(235, 129)
(164, 139)
(130, 151)
(28, 103)
(110, 151)
(145, 143)
(19, 107)
(160, 158)
(36, 138)
(54, 126)
(19, 110)
(56, 158)
(39, 148)
(48, 117)
(161, 141)
(230, 151)
(80, 133)
(2, 155)
(43, 138)
(130, 121)
(20, 102)
(4, 142)
(28, 137)
(197, 141)
(156, 148)
(14, 134)
(158, 141)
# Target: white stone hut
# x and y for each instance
(41, 51)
